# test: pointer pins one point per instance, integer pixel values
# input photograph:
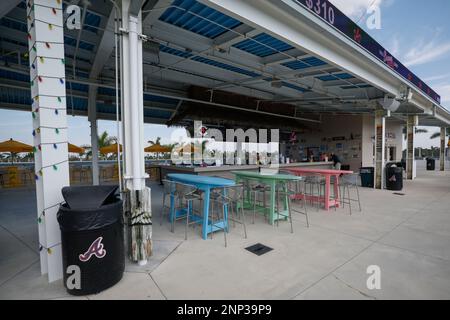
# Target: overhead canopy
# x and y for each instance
(253, 59)
(15, 146)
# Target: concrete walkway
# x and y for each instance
(408, 237)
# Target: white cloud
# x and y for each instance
(424, 52)
(395, 46)
(437, 77)
(356, 8)
(444, 91)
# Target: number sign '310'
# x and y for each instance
(322, 9)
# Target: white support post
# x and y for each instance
(92, 115)
(137, 195)
(48, 92)
(380, 144)
(411, 124)
(442, 153)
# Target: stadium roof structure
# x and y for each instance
(273, 58)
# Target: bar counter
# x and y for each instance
(225, 170)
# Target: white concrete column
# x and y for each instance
(48, 92)
(380, 148)
(137, 195)
(411, 124)
(92, 116)
(442, 154)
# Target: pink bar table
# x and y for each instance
(328, 173)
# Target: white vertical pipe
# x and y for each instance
(92, 115)
(141, 104)
(94, 148)
(116, 62)
(380, 145)
(134, 102)
(442, 150)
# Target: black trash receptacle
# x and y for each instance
(394, 176)
(367, 177)
(92, 238)
(431, 164)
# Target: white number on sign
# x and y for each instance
(331, 15)
(320, 7)
(317, 7)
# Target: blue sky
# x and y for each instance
(417, 32)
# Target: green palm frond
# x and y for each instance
(435, 135)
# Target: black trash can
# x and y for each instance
(367, 177)
(394, 176)
(92, 237)
(431, 164)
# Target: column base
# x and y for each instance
(138, 216)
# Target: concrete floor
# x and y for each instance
(408, 237)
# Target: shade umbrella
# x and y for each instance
(110, 149)
(186, 148)
(13, 146)
(157, 148)
(75, 149)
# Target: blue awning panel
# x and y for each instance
(198, 18)
(334, 77)
(92, 22)
(263, 45)
(304, 63)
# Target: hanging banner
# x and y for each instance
(334, 17)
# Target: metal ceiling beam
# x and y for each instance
(230, 38)
(104, 48)
(281, 58)
(153, 9)
(7, 6)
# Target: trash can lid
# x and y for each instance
(87, 197)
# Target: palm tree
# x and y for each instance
(438, 134)
(158, 141)
(105, 140)
(418, 130)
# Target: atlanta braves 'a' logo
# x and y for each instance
(388, 59)
(357, 35)
(96, 248)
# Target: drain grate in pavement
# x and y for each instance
(259, 249)
(399, 194)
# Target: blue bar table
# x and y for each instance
(205, 184)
